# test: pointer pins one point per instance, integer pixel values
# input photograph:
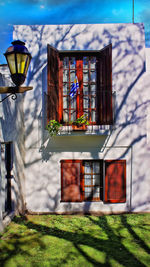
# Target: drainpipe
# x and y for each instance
(1, 218)
(133, 11)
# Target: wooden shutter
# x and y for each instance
(104, 76)
(70, 180)
(115, 181)
(53, 84)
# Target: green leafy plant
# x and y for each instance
(81, 120)
(53, 127)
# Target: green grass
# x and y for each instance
(65, 240)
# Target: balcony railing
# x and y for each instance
(105, 116)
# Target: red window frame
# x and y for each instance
(108, 181)
(104, 114)
(80, 110)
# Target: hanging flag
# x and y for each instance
(74, 87)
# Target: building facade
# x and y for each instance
(101, 167)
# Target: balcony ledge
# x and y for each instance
(92, 130)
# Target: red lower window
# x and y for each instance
(84, 180)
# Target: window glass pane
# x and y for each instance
(93, 89)
(72, 75)
(73, 115)
(93, 76)
(27, 65)
(87, 176)
(66, 62)
(88, 191)
(65, 102)
(73, 102)
(86, 114)
(87, 167)
(96, 179)
(85, 76)
(96, 192)
(87, 195)
(65, 88)
(65, 75)
(21, 60)
(96, 167)
(93, 62)
(96, 195)
(85, 102)
(85, 62)
(85, 89)
(11, 62)
(87, 181)
(65, 115)
(93, 115)
(72, 62)
(93, 102)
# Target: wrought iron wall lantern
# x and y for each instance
(18, 60)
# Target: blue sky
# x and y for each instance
(14, 12)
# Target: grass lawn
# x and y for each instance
(74, 240)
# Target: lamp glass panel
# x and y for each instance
(27, 65)
(11, 63)
(21, 62)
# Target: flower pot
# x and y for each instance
(79, 127)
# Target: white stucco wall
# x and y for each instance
(128, 140)
(12, 130)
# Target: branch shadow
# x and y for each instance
(112, 246)
(68, 38)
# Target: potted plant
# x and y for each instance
(53, 127)
(80, 123)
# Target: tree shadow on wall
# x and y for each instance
(130, 106)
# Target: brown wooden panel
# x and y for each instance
(115, 181)
(53, 83)
(104, 83)
(70, 180)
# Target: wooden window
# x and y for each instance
(82, 180)
(93, 70)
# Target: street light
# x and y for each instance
(18, 59)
